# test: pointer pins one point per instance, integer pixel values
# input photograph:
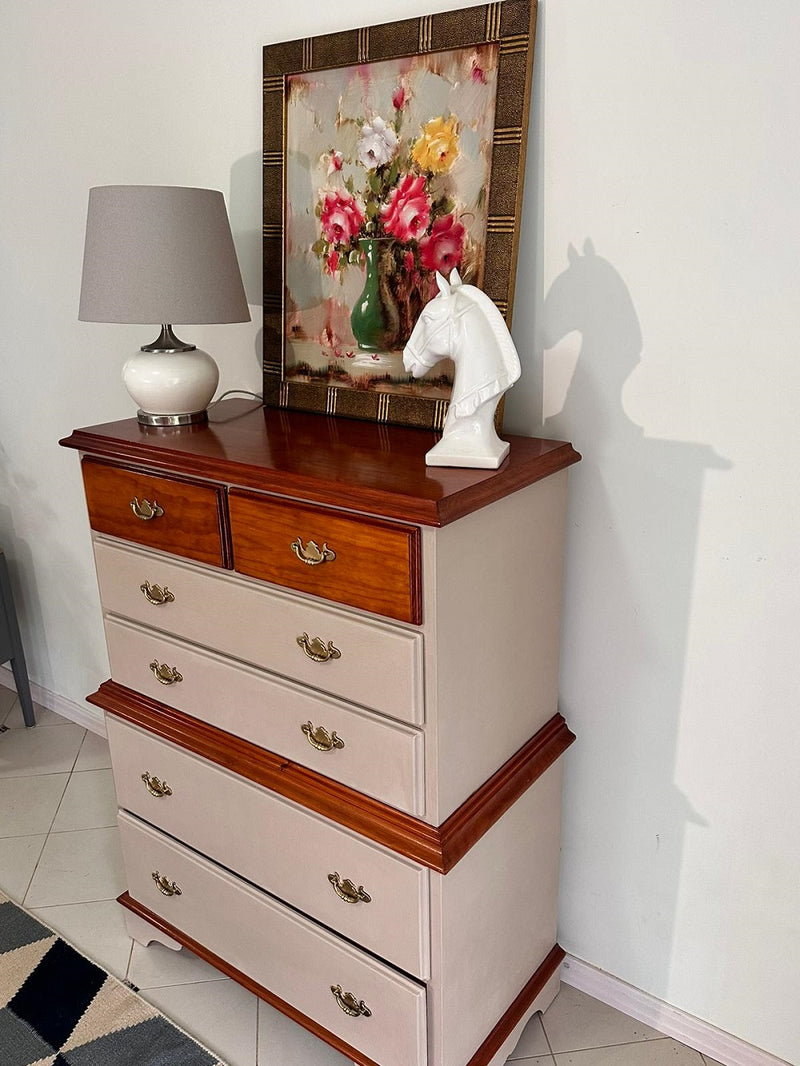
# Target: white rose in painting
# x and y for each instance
(377, 145)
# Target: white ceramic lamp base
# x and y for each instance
(171, 388)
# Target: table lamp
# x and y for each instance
(162, 254)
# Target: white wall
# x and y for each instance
(665, 152)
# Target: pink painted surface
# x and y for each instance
(380, 757)
(278, 845)
(380, 665)
(290, 955)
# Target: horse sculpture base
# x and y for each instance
(450, 457)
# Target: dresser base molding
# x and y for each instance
(437, 847)
(536, 995)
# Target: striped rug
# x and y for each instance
(59, 1009)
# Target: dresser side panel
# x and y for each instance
(497, 626)
(493, 922)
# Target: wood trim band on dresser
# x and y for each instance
(482, 1056)
(308, 457)
(438, 848)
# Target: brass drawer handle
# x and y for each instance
(156, 788)
(319, 737)
(349, 1004)
(347, 891)
(167, 887)
(155, 594)
(312, 554)
(317, 649)
(145, 510)
(165, 675)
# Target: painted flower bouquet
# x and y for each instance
(401, 223)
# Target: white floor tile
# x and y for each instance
(532, 1042)
(18, 858)
(89, 802)
(44, 717)
(575, 1021)
(156, 966)
(78, 867)
(94, 753)
(539, 1060)
(662, 1052)
(220, 1014)
(40, 751)
(8, 698)
(281, 1042)
(97, 930)
(28, 805)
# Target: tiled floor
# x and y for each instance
(60, 857)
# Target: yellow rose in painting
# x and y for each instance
(437, 148)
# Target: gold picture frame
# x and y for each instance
(311, 239)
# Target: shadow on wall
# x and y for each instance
(635, 508)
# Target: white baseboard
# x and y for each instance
(695, 1033)
(90, 718)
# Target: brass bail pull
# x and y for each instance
(312, 554)
(155, 594)
(347, 891)
(156, 788)
(165, 886)
(317, 649)
(349, 1004)
(319, 737)
(145, 510)
(165, 675)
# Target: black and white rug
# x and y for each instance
(57, 1008)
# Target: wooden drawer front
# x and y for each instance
(192, 519)
(279, 948)
(359, 561)
(374, 755)
(380, 665)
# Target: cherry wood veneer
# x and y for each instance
(194, 519)
(312, 457)
(438, 848)
(488, 1049)
(377, 564)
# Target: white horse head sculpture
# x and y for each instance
(463, 324)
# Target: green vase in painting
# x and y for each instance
(374, 318)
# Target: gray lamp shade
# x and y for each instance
(160, 254)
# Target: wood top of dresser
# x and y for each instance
(365, 466)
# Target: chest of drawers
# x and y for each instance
(333, 719)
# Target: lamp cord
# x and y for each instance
(234, 392)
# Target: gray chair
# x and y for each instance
(11, 645)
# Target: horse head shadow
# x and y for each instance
(591, 298)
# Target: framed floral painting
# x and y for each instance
(390, 153)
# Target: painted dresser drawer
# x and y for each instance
(293, 853)
(174, 515)
(373, 754)
(372, 663)
(352, 559)
(277, 947)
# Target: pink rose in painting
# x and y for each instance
(408, 211)
(443, 248)
(399, 97)
(341, 217)
(333, 261)
(335, 160)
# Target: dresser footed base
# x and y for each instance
(144, 933)
(537, 995)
